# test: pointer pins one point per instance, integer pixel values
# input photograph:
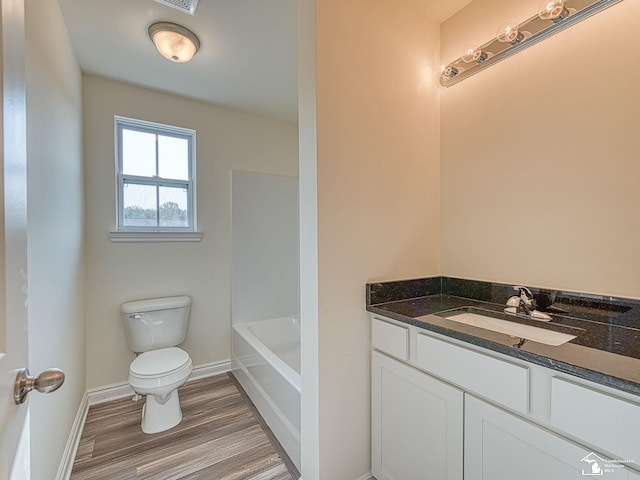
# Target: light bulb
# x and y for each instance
(508, 33)
(552, 10)
(449, 71)
(473, 53)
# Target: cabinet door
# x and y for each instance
(417, 424)
(501, 446)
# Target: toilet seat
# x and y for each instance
(159, 363)
(159, 369)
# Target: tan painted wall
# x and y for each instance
(55, 230)
(119, 272)
(540, 157)
(378, 197)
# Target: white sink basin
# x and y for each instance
(540, 335)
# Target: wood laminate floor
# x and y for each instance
(221, 437)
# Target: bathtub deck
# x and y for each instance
(221, 437)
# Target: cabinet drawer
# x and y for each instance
(495, 379)
(608, 422)
(390, 338)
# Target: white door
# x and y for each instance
(13, 248)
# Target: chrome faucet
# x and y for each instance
(524, 304)
(527, 302)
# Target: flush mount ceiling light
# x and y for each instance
(173, 41)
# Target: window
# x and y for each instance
(155, 177)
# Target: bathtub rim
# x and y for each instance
(292, 376)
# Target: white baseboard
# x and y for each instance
(366, 476)
(69, 454)
(210, 369)
(121, 390)
(107, 393)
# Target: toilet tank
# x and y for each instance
(156, 322)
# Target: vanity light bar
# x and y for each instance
(529, 32)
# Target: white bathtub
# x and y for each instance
(266, 362)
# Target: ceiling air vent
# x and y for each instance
(185, 6)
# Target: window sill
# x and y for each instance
(155, 236)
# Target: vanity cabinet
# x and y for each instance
(517, 419)
(417, 424)
(499, 445)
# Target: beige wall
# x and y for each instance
(119, 272)
(540, 157)
(377, 198)
(55, 230)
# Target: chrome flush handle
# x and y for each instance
(47, 382)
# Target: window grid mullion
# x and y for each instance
(157, 182)
(153, 181)
(157, 204)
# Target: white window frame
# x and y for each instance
(155, 233)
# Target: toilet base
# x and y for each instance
(160, 416)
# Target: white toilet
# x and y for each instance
(154, 327)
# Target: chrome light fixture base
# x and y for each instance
(531, 31)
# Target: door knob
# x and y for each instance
(47, 382)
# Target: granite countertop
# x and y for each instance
(606, 350)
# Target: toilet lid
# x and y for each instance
(159, 362)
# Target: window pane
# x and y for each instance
(138, 153)
(155, 176)
(173, 207)
(139, 203)
(173, 157)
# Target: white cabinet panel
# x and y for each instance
(417, 427)
(501, 446)
(501, 381)
(390, 338)
(600, 419)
